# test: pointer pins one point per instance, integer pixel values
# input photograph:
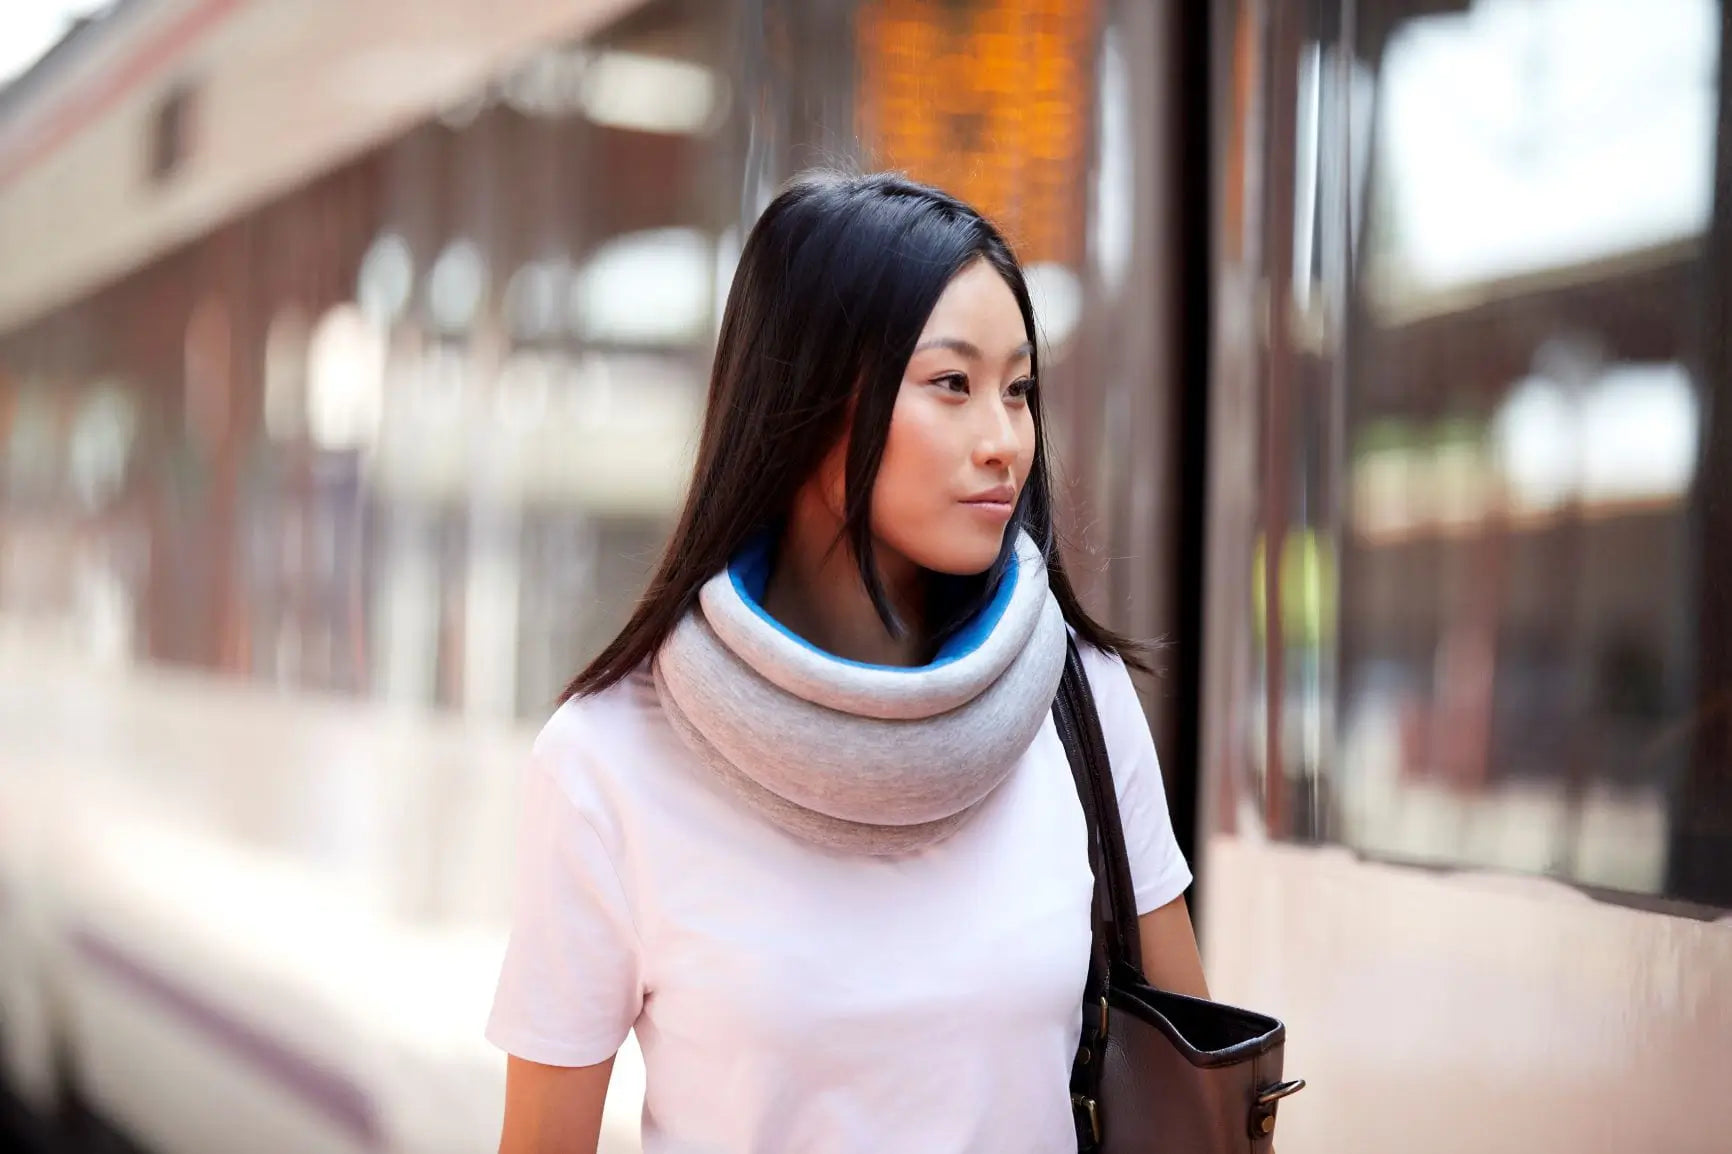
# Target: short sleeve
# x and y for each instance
(570, 986)
(1158, 869)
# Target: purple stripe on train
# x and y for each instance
(325, 1091)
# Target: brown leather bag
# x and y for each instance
(1155, 1072)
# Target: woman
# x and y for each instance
(806, 824)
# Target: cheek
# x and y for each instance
(919, 457)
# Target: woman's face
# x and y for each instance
(961, 439)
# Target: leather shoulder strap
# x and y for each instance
(1079, 727)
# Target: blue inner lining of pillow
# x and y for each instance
(750, 573)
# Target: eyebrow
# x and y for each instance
(968, 349)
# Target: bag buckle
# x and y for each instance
(1086, 1105)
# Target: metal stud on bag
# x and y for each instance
(1263, 1117)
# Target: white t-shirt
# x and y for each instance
(791, 998)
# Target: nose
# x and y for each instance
(995, 443)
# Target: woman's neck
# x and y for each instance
(815, 590)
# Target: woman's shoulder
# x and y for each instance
(1107, 672)
(611, 712)
(599, 743)
(1117, 703)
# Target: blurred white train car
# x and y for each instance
(265, 912)
(235, 921)
(351, 354)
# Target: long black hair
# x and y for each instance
(833, 288)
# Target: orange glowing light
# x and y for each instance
(988, 100)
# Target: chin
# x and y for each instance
(962, 552)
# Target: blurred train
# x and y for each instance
(350, 362)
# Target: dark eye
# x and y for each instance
(952, 382)
(1022, 387)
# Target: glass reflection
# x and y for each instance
(1511, 321)
(1516, 138)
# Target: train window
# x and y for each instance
(1497, 605)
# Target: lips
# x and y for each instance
(1000, 495)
